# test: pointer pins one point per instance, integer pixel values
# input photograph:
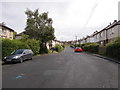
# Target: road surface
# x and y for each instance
(62, 70)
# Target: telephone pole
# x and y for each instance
(76, 40)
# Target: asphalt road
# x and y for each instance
(62, 70)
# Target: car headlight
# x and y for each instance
(5, 57)
(16, 57)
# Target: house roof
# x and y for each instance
(113, 24)
(6, 27)
(20, 34)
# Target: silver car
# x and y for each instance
(19, 56)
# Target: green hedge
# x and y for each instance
(34, 45)
(72, 46)
(58, 47)
(113, 49)
(91, 47)
(8, 46)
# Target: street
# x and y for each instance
(66, 69)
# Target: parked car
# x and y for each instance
(19, 56)
(78, 49)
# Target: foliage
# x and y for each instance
(63, 46)
(14, 34)
(39, 26)
(77, 45)
(113, 49)
(91, 47)
(24, 37)
(34, 45)
(43, 48)
(72, 46)
(8, 46)
(58, 47)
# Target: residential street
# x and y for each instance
(62, 70)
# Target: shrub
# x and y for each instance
(91, 47)
(58, 47)
(63, 46)
(78, 45)
(8, 46)
(113, 49)
(34, 45)
(72, 46)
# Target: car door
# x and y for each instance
(25, 55)
(29, 54)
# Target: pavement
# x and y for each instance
(66, 69)
(104, 57)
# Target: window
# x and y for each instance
(111, 31)
(3, 31)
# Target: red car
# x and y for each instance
(78, 49)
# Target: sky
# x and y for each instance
(70, 17)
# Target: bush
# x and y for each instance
(78, 45)
(63, 46)
(58, 47)
(91, 47)
(34, 45)
(8, 46)
(113, 49)
(72, 46)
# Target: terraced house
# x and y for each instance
(6, 32)
(105, 35)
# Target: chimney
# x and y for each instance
(115, 20)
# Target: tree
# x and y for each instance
(39, 26)
(14, 34)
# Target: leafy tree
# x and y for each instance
(14, 34)
(39, 26)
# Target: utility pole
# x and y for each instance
(76, 40)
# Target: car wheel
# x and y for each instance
(31, 58)
(21, 60)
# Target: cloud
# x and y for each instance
(70, 17)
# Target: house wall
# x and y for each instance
(6, 33)
(53, 43)
(88, 39)
(113, 32)
(92, 39)
(102, 35)
(18, 37)
(96, 38)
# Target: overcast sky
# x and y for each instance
(70, 17)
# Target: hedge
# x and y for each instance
(113, 49)
(34, 45)
(91, 47)
(58, 47)
(8, 46)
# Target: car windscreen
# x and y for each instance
(18, 52)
